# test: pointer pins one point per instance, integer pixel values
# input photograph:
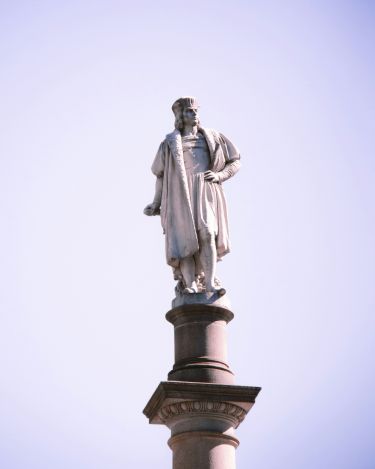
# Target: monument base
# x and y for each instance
(200, 403)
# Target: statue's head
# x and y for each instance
(186, 112)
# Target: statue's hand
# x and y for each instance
(211, 176)
(152, 209)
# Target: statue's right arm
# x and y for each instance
(158, 169)
(154, 207)
(158, 191)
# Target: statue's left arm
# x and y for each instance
(232, 159)
(229, 170)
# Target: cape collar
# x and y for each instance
(175, 142)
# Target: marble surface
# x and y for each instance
(216, 298)
(191, 165)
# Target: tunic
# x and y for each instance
(203, 194)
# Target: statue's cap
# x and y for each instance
(184, 103)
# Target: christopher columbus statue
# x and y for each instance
(190, 165)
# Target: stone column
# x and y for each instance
(203, 450)
(200, 402)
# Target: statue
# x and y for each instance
(190, 166)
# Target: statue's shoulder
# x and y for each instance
(167, 141)
(210, 132)
(172, 136)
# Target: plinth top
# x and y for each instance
(199, 312)
(217, 298)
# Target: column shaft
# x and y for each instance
(203, 450)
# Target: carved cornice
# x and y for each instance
(226, 410)
(169, 393)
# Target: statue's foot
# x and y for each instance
(219, 290)
(214, 295)
(190, 290)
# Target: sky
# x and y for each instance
(86, 90)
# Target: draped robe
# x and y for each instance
(181, 238)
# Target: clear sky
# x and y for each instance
(86, 89)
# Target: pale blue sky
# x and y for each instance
(86, 89)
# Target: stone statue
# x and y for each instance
(190, 165)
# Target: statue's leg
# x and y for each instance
(187, 266)
(208, 257)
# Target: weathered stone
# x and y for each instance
(199, 403)
(204, 298)
(191, 164)
(216, 397)
(203, 450)
(200, 344)
(202, 418)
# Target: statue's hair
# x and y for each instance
(179, 121)
(178, 110)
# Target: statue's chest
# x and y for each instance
(196, 154)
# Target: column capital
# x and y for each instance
(172, 398)
(228, 411)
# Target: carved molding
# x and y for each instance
(172, 392)
(202, 435)
(225, 409)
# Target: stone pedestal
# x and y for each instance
(200, 402)
(200, 344)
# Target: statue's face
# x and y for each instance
(190, 116)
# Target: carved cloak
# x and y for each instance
(177, 220)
